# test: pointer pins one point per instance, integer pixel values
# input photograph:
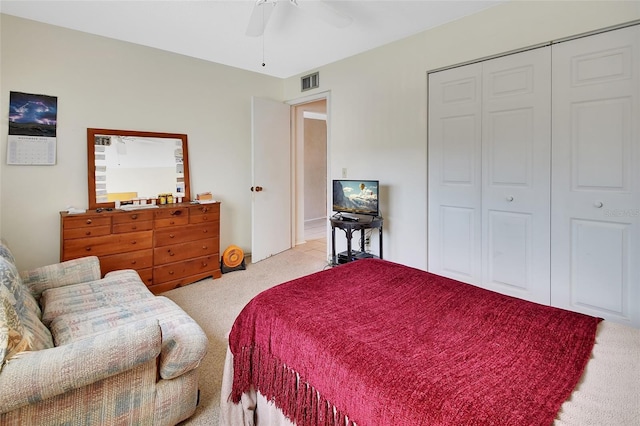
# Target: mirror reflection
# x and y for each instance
(132, 165)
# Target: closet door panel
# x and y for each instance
(596, 172)
(516, 149)
(510, 242)
(454, 173)
(601, 253)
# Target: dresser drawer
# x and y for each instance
(119, 228)
(108, 244)
(204, 213)
(137, 216)
(140, 259)
(178, 252)
(178, 270)
(85, 222)
(184, 234)
(146, 275)
(85, 232)
(171, 217)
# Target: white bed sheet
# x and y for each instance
(608, 392)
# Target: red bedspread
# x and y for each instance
(385, 344)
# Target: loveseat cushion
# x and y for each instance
(12, 337)
(5, 251)
(25, 306)
(73, 271)
(184, 344)
(113, 290)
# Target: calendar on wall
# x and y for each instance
(32, 129)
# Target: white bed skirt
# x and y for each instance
(608, 392)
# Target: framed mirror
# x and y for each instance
(128, 165)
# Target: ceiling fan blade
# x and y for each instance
(325, 12)
(259, 17)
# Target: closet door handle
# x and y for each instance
(598, 204)
(509, 198)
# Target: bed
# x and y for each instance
(377, 343)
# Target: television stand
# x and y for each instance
(349, 227)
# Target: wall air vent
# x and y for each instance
(310, 81)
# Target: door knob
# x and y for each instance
(257, 188)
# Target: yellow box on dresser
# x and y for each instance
(169, 246)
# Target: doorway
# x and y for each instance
(311, 176)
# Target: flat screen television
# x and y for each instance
(356, 196)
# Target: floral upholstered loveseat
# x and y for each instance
(77, 349)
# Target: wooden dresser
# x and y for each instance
(170, 246)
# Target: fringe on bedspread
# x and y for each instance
(298, 400)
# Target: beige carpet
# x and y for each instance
(214, 304)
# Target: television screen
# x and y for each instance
(356, 196)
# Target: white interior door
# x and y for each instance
(596, 176)
(271, 178)
(516, 149)
(454, 225)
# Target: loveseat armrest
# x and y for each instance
(74, 271)
(35, 376)
(184, 345)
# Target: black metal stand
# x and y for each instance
(349, 227)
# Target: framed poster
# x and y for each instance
(32, 129)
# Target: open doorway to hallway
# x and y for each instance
(311, 176)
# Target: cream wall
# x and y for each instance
(110, 84)
(378, 108)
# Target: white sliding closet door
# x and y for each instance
(596, 173)
(489, 166)
(455, 180)
(516, 165)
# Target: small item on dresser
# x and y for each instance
(162, 198)
(73, 210)
(205, 198)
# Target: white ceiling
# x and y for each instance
(295, 39)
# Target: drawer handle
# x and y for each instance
(133, 228)
(87, 233)
(171, 236)
(204, 247)
(204, 231)
(204, 264)
(134, 262)
(171, 272)
(204, 217)
(89, 221)
(171, 253)
(175, 212)
(87, 248)
(172, 222)
(204, 209)
(134, 216)
(134, 242)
